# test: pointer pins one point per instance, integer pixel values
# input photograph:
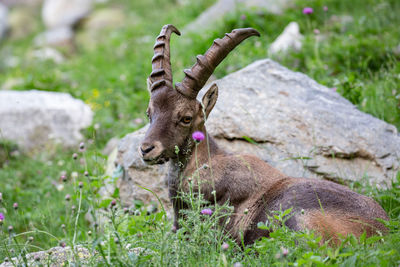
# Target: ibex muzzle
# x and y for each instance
(254, 188)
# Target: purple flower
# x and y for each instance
(2, 217)
(225, 246)
(206, 212)
(243, 17)
(198, 136)
(308, 10)
(325, 8)
(285, 251)
(15, 205)
(316, 31)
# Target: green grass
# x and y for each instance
(358, 58)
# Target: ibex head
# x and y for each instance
(175, 113)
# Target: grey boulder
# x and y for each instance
(34, 119)
(290, 121)
(216, 12)
(3, 20)
(290, 38)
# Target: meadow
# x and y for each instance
(350, 46)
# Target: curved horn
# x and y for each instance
(197, 76)
(161, 65)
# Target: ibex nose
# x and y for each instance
(146, 148)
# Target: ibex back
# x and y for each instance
(254, 188)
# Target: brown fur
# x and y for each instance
(336, 224)
(254, 188)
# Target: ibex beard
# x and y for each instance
(254, 188)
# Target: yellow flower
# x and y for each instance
(95, 93)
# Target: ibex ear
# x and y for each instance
(149, 83)
(209, 99)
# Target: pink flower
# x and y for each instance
(2, 217)
(243, 17)
(325, 8)
(225, 246)
(316, 31)
(285, 251)
(206, 212)
(82, 147)
(15, 205)
(308, 10)
(198, 136)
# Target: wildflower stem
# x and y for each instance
(158, 199)
(77, 217)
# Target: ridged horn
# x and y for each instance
(161, 73)
(197, 76)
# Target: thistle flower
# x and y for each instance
(81, 146)
(198, 136)
(74, 156)
(225, 246)
(113, 203)
(285, 251)
(15, 205)
(308, 10)
(67, 197)
(10, 228)
(325, 8)
(207, 211)
(2, 217)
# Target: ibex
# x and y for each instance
(254, 188)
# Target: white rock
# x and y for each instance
(3, 20)
(33, 118)
(48, 53)
(56, 36)
(22, 21)
(28, 3)
(290, 38)
(221, 8)
(64, 13)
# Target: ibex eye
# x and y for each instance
(186, 119)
